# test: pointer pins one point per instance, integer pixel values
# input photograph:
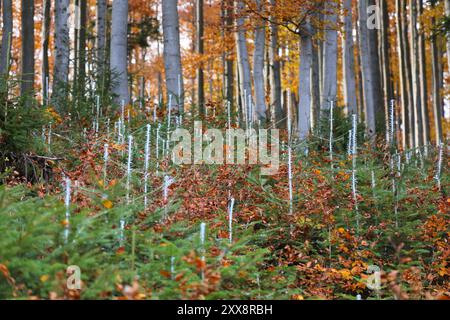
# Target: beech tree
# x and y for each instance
(119, 52)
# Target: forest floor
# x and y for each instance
(331, 246)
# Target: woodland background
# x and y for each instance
(90, 90)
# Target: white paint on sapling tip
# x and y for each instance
(130, 155)
(157, 140)
(146, 163)
(172, 267)
(105, 162)
(122, 232)
(331, 131)
(350, 138)
(439, 164)
(202, 242)
(67, 205)
(230, 220)
(289, 154)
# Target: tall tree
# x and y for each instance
(408, 74)
(172, 55)
(367, 70)
(423, 76)
(415, 59)
(349, 61)
(447, 14)
(330, 56)
(80, 61)
(437, 83)
(119, 50)
(5, 54)
(374, 49)
(304, 105)
(101, 33)
(229, 76)
(45, 47)
(200, 51)
(385, 59)
(245, 84)
(258, 65)
(275, 74)
(61, 61)
(27, 34)
(402, 75)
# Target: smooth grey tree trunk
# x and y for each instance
(101, 33)
(45, 47)
(229, 65)
(315, 86)
(172, 54)
(437, 86)
(349, 61)
(330, 58)
(245, 82)
(62, 52)
(258, 67)
(275, 75)
(415, 59)
(304, 105)
(367, 72)
(119, 52)
(402, 76)
(408, 75)
(200, 51)
(385, 59)
(380, 115)
(5, 54)
(80, 63)
(423, 76)
(27, 32)
(447, 13)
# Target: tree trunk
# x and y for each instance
(415, 59)
(258, 67)
(101, 34)
(200, 51)
(437, 83)
(423, 77)
(62, 52)
(367, 72)
(408, 75)
(45, 46)
(172, 55)
(402, 76)
(349, 61)
(385, 59)
(27, 33)
(229, 66)
(80, 69)
(380, 116)
(275, 75)
(315, 86)
(5, 54)
(245, 81)
(447, 13)
(119, 51)
(304, 94)
(330, 58)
